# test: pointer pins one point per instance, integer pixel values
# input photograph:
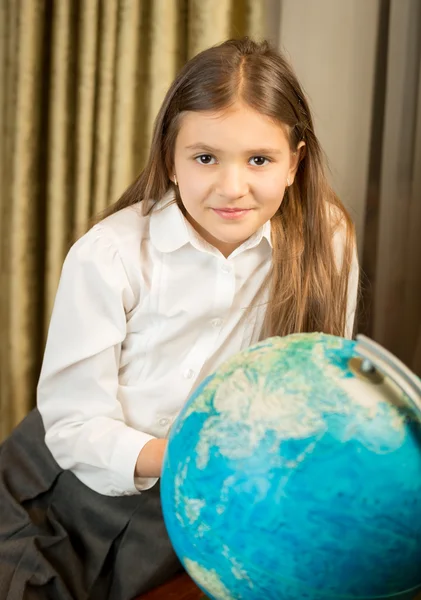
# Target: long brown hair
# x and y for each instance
(307, 284)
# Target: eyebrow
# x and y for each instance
(252, 151)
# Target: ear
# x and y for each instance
(170, 168)
(296, 158)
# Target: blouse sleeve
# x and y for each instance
(339, 239)
(353, 282)
(77, 392)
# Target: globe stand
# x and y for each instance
(376, 361)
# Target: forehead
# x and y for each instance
(235, 127)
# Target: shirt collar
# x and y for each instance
(169, 229)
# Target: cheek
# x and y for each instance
(194, 186)
(191, 194)
(273, 186)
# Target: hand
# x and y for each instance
(149, 461)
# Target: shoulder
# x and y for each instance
(120, 233)
(125, 237)
(338, 218)
(340, 225)
(343, 237)
(126, 228)
(111, 250)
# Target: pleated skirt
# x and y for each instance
(61, 540)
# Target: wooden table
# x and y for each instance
(182, 588)
(179, 588)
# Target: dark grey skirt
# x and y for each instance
(60, 540)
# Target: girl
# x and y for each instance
(230, 234)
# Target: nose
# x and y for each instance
(232, 183)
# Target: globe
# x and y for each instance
(291, 474)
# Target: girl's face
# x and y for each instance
(232, 169)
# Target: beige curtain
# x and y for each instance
(80, 84)
(360, 63)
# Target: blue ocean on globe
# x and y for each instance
(289, 475)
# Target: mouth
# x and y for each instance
(231, 213)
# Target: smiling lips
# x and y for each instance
(231, 213)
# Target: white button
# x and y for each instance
(216, 322)
(189, 374)
(225, 268)
(163, 422)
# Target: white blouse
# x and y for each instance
(145, 310)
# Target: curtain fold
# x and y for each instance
(413, 284)
(80, 85)
(59, 111)
(20, 204)
(397, 299)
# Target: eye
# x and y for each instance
(205, 159)
(259, 161)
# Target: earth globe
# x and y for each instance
(294, 472)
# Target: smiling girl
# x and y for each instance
(230, 234)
